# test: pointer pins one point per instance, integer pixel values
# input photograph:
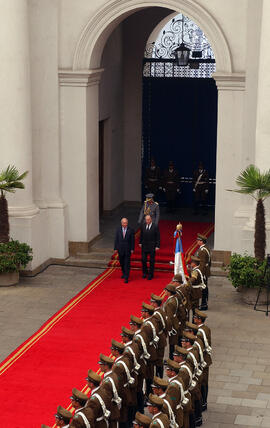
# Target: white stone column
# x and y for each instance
(229, 157)
(79, 153)
(262, 149)
(262, 145)
(15, 109)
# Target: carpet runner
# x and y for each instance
(40, 374)
(166, 253)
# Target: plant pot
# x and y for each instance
(9, 278)
(249, 295)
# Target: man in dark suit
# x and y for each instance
(124, 244)
(149, 243)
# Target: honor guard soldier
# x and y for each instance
(141, 421)
(155, 405)
(149, 330)
(185, 375)
(160, 316)
(78, 400)
(152, 178)
(200, 189)
(204, 334)
(175, 393)
(193, 357)
(197, 282)
(150, 207)
(171, 185)
(110, 383)
(138, 356)
(62, 417)
(171, 309)
(84, 418)
(203, 253)
(93, 381)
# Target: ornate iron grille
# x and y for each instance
(159, 58)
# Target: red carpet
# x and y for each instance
(166, 252)
(41, 373)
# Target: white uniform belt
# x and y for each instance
(136, 364)
(130, 379)
(116, 397)
(183, 400)
(162, 319)
(184, 366)
(84, 418)
(203, 363)
(173, 423)
(106, 412)
(155, 337)
(202, 285)
(145, 353)
(198, 372)
(160, 422)
(207, 346)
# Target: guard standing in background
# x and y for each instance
(171, 186)
(200, 189)
(152, 178)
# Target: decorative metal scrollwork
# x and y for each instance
(159, 58)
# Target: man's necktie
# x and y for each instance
(124, 232)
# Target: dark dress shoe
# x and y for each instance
(144, 275)
(126, 280)
(149, 277)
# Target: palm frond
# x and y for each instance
(252, 182)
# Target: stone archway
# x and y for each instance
(79, 87)
(93, 38)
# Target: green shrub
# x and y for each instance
(14, 256)
(246, 271)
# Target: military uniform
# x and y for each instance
(150, 207)
(63, 415)
(162, 327)
(204, 333)
(141, 420)
(152, 179)
(100, 403)
(160, 419)
(171, 310)
(200, 189)
(197, 283)
(203, 253)
(175, 393)
(171, 186)
(84, 418)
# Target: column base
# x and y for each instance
(45, 232)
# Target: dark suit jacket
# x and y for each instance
(124, 245)
(150, 239)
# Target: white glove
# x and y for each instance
(178, 190)
(194, 190)
(164, 190)
(206, 190)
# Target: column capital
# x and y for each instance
(82, 78)
(230, 81)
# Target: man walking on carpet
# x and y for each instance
(149, 243)
(124, 244)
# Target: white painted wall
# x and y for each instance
(111, 110)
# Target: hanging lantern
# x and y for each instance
(182, 55)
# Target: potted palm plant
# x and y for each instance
(246, 272)
(13, 254)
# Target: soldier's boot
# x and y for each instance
(198, 413)
(159, 371)
(204, 391)
(204, 303)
